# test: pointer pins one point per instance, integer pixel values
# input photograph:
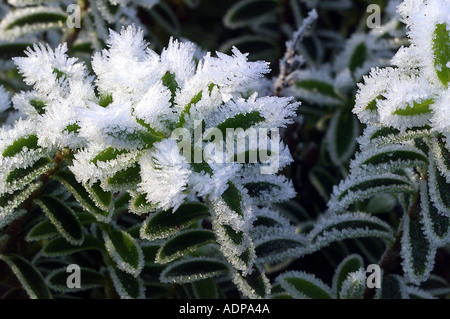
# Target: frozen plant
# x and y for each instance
(405, 149)
(146, 134)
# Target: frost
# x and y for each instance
(165, 174)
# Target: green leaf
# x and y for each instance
(80, 193)
(14, 49)
(193, 269)
(439, 189)
(435, 225)
(30, 142)
(10, 202)
(102, 199)
(63, 218)
(184, 243)
(41, 231)
(60, 247)
(29, 277)
(441, 50)
(441, 156)
(348, 225)
(23, 17)
(166, 223)
(233, 199)
(89, 279)
(274, 249)
(205, 289)
(244, 121)
(127, 286)
(417, 252)
(358, 57)
(254, 285)
(150, 250)
(139, 204)
(356, 189)
(124, 250)
(125, 179)
(341, 136)
(22, 176)
(348, 265)
(393, 287)
(170, 82)
(304, 286)
(417, 108)
(246, 12)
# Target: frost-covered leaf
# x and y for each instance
(63, 218)
(29, 277)
(183, 243)
(331, 228)
(254, 285)
(417, 251)
(102, 199)
(166, 223)
(193, 269)
(441, 156)
(10, 202)
(124, 250)
(273, 244)
(441, 52)
(439, 189)
(354, 285)
(341, 136)
(435, 225)
(389, 158)
(80, 193)
(246, 12)
(358, 188)
(348, 265)
(30, 142)
(304, 286)
(393, 287)
(41, 231)
(127, 286)
(89, 279)
(60, 247)
(21, 176)
(417, 293)
(358, 57)
(22, 21)
(124, 179)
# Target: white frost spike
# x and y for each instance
(49, 71)
(354, 285)
(165, 174)
(154, 107)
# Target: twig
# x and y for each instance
(291, 61)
